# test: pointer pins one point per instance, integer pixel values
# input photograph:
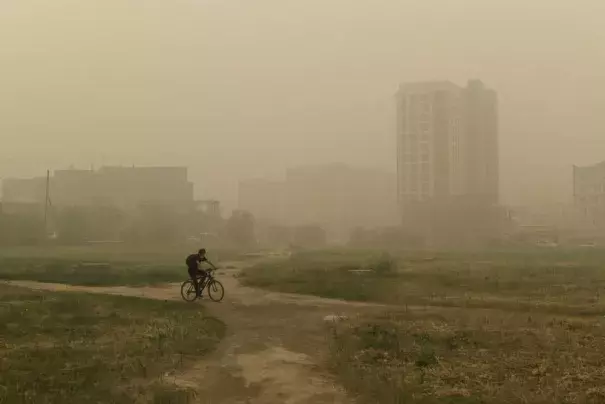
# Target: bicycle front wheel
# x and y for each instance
(188, 291)
(215, 289)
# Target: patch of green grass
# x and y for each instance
(561, 283)
(479, 356)
(328, 274)
(89, 273)
(65, 347)
(98, 266)
(162, 255)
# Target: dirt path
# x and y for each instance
(274, 351)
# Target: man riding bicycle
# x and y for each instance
(193, 261)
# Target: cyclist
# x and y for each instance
(193, 261)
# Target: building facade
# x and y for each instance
(589, 194)
(121, 187)
(447, 153)
(264, 199)
(427, 128)
(335, 197)
(24, 191)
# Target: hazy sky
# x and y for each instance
(240, 88)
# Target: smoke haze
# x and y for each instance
(238, 89)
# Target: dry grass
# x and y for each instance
(64, 347)
(493, 328)
(471, 356)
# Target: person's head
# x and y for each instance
(202, 252)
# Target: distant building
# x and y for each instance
(25, 191)
(340, 197)
(211, 207)
(447, 140)
(265, 199)
(336, 197)
(121, 187)
(447, 152)
(589, 193)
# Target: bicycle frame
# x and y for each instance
(206, 279)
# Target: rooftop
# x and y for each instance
(428, 86)
(593, 167)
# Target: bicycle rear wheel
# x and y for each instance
(188, 291)
(215, 289)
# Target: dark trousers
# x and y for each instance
(193, 273)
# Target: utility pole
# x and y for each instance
(46, 203)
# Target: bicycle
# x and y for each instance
(215, 289)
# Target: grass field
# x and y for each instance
(66, 347)
(99, 265)
(500, 327)
(556, 282)
(114, 252)
(456, 356)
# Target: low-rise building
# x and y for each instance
(335, 197)
(589, 193)
(121, 187)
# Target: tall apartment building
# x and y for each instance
(447, 148)
(447, 139)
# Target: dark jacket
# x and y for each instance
(193, 261)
